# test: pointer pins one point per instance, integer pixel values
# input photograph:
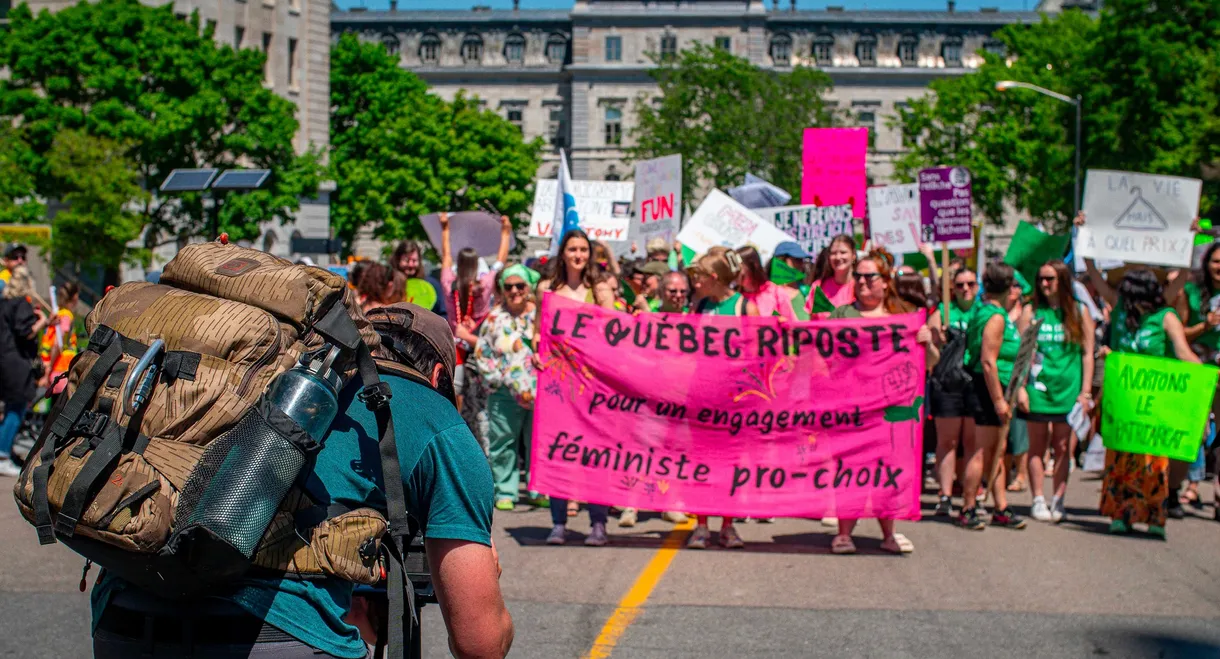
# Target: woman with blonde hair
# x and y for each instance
(712, 276)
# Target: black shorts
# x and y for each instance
(1037, 417)
(949, 404)
(981, 406)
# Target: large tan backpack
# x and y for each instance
(140, 438)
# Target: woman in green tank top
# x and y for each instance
(953, 418)
(1061, 378)
(993, 341)
(711, 275)
(1201, 313)
(1139, 488)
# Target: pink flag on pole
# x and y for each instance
(834, 168)
(729, 416)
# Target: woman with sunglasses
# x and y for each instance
(1200, 306)
(577, 278)
(503, 358)
(948, 404)
(834, 277)
(993, 341)
(1061, 378)
(712, 276)
(876, 296)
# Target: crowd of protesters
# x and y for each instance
(492, 311)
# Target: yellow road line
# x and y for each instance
(630, 606)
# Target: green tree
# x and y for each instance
(1148, 76)
(161, 86)
(17, 202)
(99, 183)
(398, 152)
(728, 117)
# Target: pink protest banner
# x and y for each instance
(833, 171)
(729, 416)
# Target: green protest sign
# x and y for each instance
(1030, 248)
(1156, 406)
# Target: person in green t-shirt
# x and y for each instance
(1139, 488)
(876, 296)
(992, 340)
(1060, 379)
(711, 275)
(953, 418)
(1201, 306)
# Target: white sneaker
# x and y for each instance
(830, 522)
(674, 516)
(1058, 511)
(1040, 510)
(628, 518)
(9, 468)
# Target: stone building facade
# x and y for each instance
(295, 34)
(572, 77)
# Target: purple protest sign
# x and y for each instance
(944, 204)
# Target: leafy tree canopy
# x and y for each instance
(399, 152)
(728, 117)
(161, 87)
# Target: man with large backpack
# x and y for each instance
(209, 582)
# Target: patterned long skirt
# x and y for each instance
(1135, 488)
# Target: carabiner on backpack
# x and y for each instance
(148, 366)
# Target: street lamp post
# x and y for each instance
(1004, 85)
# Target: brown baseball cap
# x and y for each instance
(405, 318)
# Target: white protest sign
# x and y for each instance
(1139, 218)
(894, 220)
(658, 200)
(720, 220)
(813, 227)
(604, 208)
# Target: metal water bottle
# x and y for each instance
(309, 393)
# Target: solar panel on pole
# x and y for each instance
(188, 180)
(241, 179)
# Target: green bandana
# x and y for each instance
(530, 277)
(782, 273)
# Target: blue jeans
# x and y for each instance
(1198, 470)
(8, 430)
(559, 512)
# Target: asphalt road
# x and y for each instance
(1065, 591)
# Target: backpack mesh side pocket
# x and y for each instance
(235, 491)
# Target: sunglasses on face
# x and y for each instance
(867, 277)
(964, 285)
(676, 291)
(1046, 280)
(515, 287)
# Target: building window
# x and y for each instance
(614, 126)
(514, 48)
(612, 173)
(951, 50)
(995, 47)
(866, 51)
(239, 36)
(472, 49)
(724, 43)
(669, 47)
(824, 49)
(781, 50)
(430, 49)
(554, 126)
(293, 78)
(866, 115)
(516, 116)
(267, 61)
(614, 49)
(209, 28)
(899, 108)
(908, 51)
(556, 49)
(391, 44)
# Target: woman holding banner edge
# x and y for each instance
(835, 278)
(576, 278)
(712, 275)
(1202, 302)
(1139, 488)
(993, 341)
(1061, 379)
(876, 297)
(952, 416)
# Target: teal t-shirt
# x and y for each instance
(448, 487)
(1008, 349)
